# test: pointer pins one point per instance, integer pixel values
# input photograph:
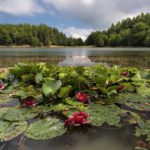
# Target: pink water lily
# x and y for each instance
(82, 97)
(2, 85)
(29, 102)
(77, 118)
(121, 88)
(126, 74)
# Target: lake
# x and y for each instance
(96, 138)
(139, 57)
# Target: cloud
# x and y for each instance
(77, 32)
(79, 16)
(20, 7)
(99, 13)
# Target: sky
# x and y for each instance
(77, 18)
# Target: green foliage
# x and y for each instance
(18, 114)
(51, 87)
(104, 114)
(54, 90)
(10, 130)
(45, 129)
(34, 35)
(128, 32)
(143, 129)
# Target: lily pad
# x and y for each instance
(104, 114)
(5, 98)
(10, 130)
(18, 114)
(143, 129)
(45, 129)
(38, 78)
(50, 87)
(134, 101)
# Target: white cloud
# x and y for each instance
(99, 14)
(77, 32)
(20, 7)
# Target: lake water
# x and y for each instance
(94, 139)
(139, 57)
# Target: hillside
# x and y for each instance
(129, 32)
(34, 35)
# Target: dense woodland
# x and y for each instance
(34, 35)
(129, 32)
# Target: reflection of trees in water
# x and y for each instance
(128, 60)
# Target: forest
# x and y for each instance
(34, 35)
(129, 32)
(133, 32)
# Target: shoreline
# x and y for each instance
(57, 46)
(51, 46)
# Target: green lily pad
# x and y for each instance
(5, 98)
(18, 114)
(104, 114)
(64, 91)
(143, 129)
(140, 148)
(51, 87)
(143, 90)
(38, 78)
(45, 129)
(10, 130)
(134, 101)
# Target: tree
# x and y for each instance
(34, 41)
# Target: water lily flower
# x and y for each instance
(82, 97)
(126, 74)
(121, 88)
(29, 102)
(2, 85)
(77, 118)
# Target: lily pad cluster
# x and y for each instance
(43, 101)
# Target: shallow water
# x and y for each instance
(94, 139)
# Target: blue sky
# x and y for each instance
(75, 18)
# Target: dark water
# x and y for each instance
(94, 139)
(139, 57)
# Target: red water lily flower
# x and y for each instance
(121, 88)
(126, 74)
(78, 118)
(2, 85)
(82, 97)
(29, 102)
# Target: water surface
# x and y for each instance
(139, 57)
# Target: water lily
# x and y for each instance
(29, 102)
(126, 74)
(2, 85)
(77, 118)
(82, 97)
(121, 88)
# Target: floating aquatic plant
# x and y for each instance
(62, 96)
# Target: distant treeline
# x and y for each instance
(129, 32)
(34, 35)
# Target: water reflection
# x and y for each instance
(76, 61)
(94, 139)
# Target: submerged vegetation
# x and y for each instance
(43, 101)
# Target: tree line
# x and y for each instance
(34, 35)
(129, 32)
